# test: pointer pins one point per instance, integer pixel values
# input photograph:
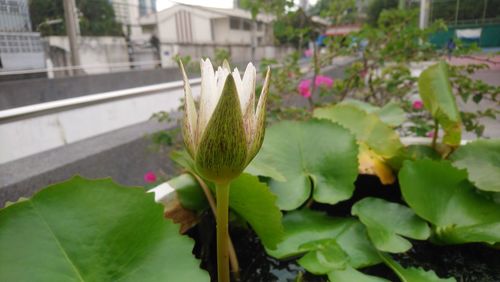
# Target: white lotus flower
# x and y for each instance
(227, 130)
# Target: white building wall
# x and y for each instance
(100, 54)
(168, 30)
(221, 30)
(201, 28)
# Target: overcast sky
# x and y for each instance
(162, 4)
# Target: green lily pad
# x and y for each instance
(323, 256)
(413, 152)
(93, 230)
(481, 158)
(413, 274)
(309, 230)
(391, 113)
(253, 201)
(262, 169)
(437, 95)
(314, 155)
(350, 274)
(386, 221)
(367, 127)
(441, 194)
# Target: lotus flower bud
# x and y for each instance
(225, 133)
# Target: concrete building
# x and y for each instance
(20, 48)
(198, 31)
(127, 13)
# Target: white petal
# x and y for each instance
(247, 94)
(190, 115)
(237, 81)
(261, 106)
(221, 75)
(259, 120)
(208, 93)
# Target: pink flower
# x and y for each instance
(417, 105)
(305, 85)
(324, 81)
(304, 88)
(430, 134)
(150, 177)
(308, 53)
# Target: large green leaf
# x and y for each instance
(413, 274)
(350, 274)
(481, 158)
(262, 169)
(253, 201)
(323, 256)
(314, 155)
(391, 113)
(386, 221)
(441, 194)
(93, 230)
(309, 230)
(302, 226)
(367, 127)
(437, 95)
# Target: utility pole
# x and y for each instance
(457, 8)
(424, 13)
(71, 31)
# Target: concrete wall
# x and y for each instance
(29, 135)
(32, 91)
(96, 53)
(124, 155)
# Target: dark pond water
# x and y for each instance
(467, 263)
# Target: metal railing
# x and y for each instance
(54, 106)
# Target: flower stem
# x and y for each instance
(233, 259)
(222, 191)
(436, 131)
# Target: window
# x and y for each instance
(259, 26)
(234, 23)
(14, 7)
(149, 29)
(247, 25)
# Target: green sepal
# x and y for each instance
(222, 151)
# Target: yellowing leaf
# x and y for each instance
(372, 164)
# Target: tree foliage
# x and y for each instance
(336, 11)
(377, 6)
(96, 17)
